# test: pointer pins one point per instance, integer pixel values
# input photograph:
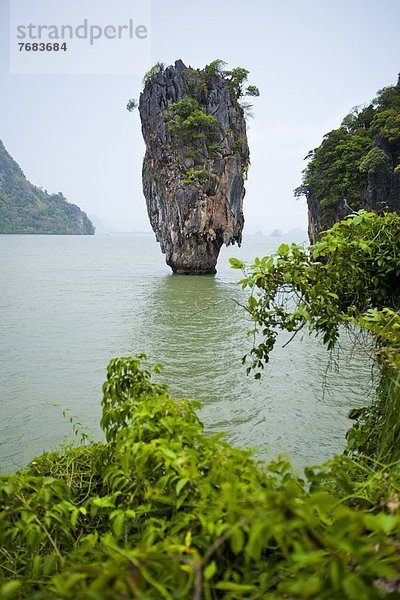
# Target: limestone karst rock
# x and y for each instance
(27, 209)
(357, 166)
(195, 164)
(381, 193)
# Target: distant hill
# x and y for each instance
(297, 233)
(25, 208)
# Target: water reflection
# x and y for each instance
(196, 328)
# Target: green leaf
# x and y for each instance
(118, 524)
(188, 539)
(283, 250)
(252, 302)
(74, 517)
(210, 570)
(355, 587)
(180, 485)
(237, 541)
(49, 564)
(230, 586)
(236, 263)
(256, 538)
(36, 566)
(381, 522)
(10, 589)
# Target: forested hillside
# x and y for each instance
(25, 208)
(357, 166)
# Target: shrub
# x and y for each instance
(160, 510)
(192, 175)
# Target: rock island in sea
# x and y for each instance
(196, 161)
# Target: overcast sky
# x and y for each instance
(313, 60)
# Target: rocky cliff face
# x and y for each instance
(321, 217)
(195, 164)
(381, 193)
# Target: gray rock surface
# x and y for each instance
(382, 193)
(192, 217)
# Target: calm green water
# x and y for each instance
(69, 304)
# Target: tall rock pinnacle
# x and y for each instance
(195, 164)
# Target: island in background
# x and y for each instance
(25, 208)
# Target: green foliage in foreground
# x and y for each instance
(160, 510)
(376, 432)
(351, 276)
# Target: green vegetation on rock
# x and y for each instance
(191, 126)
(132, 104)
(191, 123)
(25, 208)
(200, 176)
(188, 123)
(356, 166)
(194, 129)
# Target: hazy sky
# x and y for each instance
(313, 60)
